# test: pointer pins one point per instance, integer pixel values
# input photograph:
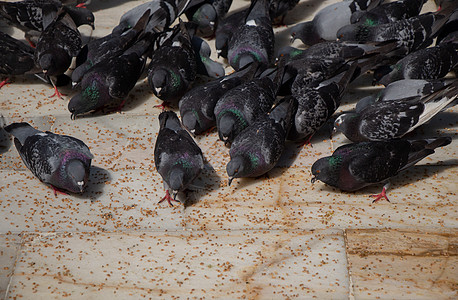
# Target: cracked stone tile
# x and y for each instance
(387, 264)
(10, 244)
(221, 264)
(124, 200)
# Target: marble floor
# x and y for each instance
(277, 237)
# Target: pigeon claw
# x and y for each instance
(164, 105)
(58, 191)
(379, 197)
(4, 82)
(168, 198)
(57, 93)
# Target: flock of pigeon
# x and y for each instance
(265, 102)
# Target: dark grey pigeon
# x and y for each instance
(328, 21)
(279, 9)
(173, 66)
(109, 46)
(162, 14)
(316, 105)
(110, 81)
(388, 12)
(207, 13)
(410, 34)
(355, 166)
(177, 157)
(205, 65)
(257, 149)
(33, 16)
(57, 45)
(242, 105)
(197, 105)
(404, 89)
(386, 120)
(59, 160)
(225, 29)
(430, 63)
(253, 40)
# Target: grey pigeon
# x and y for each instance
(253, 40)
(430, 63)
(225, 29)
(355, 166)
(162, 14)
(177, 157)
(316, 105)
(242, 105)
(110, 81)
(328, 21)
(59, 160)
(207, 13)
(404, 89)
(57, 45)
(257, 149)
(205, 65)
(197, 105)
(388, 12)
(386, 120)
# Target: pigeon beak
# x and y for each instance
(73, 116)
(230, 181)
(158, 90)
(313, 179)
(81, 186)
(92, 26)
(45, 72)
(218, 51)
(74, 84)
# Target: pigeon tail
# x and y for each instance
(419, 149)
(21, 131)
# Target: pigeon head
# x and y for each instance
(163, 83)
(387, 74)
(191, 122)
(205, 16)
(55, 63)
(327, 170)
(353, 32)
(76, 175)
(306, 33)
(176, 179)
(89, 99)
(227, 127)
(169, 119)
(236, 167)
(348, 125)
(221, 40)
(81, 15)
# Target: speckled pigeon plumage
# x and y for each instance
(197, 105)
(328, 21)
(388, 12)
(173, 66)
(110, 81)
(16, 58)
(430, 63)
(253, 40)
(386, 120)
(257, 149)
(355, 166)
(59, 160)
(207, 13)
(177, 157)
(410, 34)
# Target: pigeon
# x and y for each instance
(207, 13)
(61, 161)
(328, 21)
(205, 65)
(257, 149)
(57, 45)
(197, 106)
(388, 12)
(106, 47)
(279, 8)
(173, 66)
(386, 120)
(404, 89)
(177, 157)
(411, 34)
(16, 58)
(162, 14)
(110, 80)
(242, 105)
(449, 32)
(254, 39)
(224, 30)
(33, 16)
(316, 105)
(430, 63)
(355, 166)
